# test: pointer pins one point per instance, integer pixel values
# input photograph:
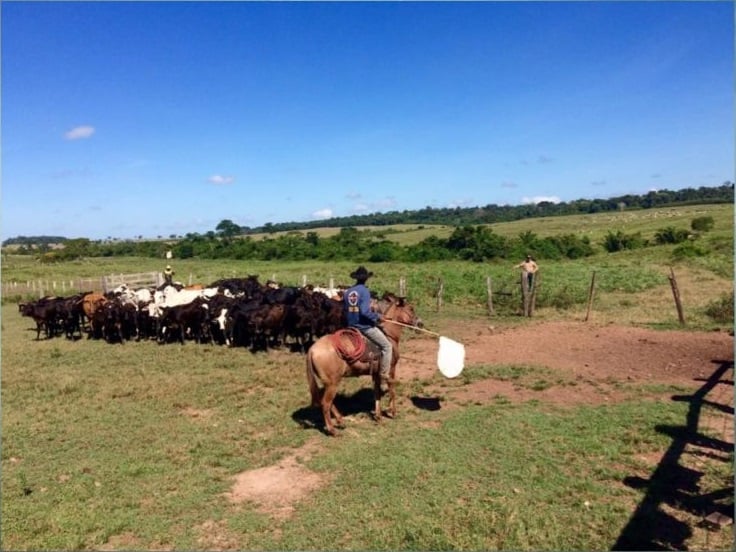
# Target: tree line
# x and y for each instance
(492, 213)
(471, 240)
(476, 243)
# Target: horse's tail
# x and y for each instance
(312, 380)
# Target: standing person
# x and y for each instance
(529, 268)
(168, 275)
(358, 313)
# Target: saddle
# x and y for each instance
(354, 348)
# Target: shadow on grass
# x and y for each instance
(362, 401)
(310, 417)
(650, 528)
(426, 403)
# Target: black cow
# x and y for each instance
(44, 313)
(191, 319)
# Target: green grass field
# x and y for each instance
(143, 441)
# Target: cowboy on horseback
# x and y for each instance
(358, 313)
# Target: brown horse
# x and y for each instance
(326, 364)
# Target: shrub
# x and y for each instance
(688, 250)
(702, 224)
(721, 310)
(671, 235)
(618, 241)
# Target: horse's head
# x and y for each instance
(400, 310)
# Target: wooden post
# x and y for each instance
(440, 292)
(590, 296)
(489, 290)
(402, 287)
(676, 294)
(524, 294)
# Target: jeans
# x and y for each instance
(380, 339)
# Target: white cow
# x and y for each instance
(172, 297)
(139, 298)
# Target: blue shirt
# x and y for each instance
(357, 306)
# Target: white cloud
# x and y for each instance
(322, 214)
(77, 133)
(539, 199)
(219, 179)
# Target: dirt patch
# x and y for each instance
(597, 358)
(275, 489)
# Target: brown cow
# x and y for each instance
(91, 303)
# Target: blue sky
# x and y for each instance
(152, 119)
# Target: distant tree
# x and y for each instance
(227, 228)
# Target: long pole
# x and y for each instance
(410, 326)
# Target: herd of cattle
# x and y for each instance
(234, 312)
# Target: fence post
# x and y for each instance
(402, 287)
(676, 294)
(533, 300)
(524, 294)
(440, 293)
(590, 296)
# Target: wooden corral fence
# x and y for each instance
(102, 284)
(134, 281)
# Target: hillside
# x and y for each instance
(595, 226)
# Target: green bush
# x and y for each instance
(702, 224)
(721, 310)
(618, 241)
(688, 250)
(671, 235)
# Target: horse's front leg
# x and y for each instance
(392, 392)
(392, 397)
